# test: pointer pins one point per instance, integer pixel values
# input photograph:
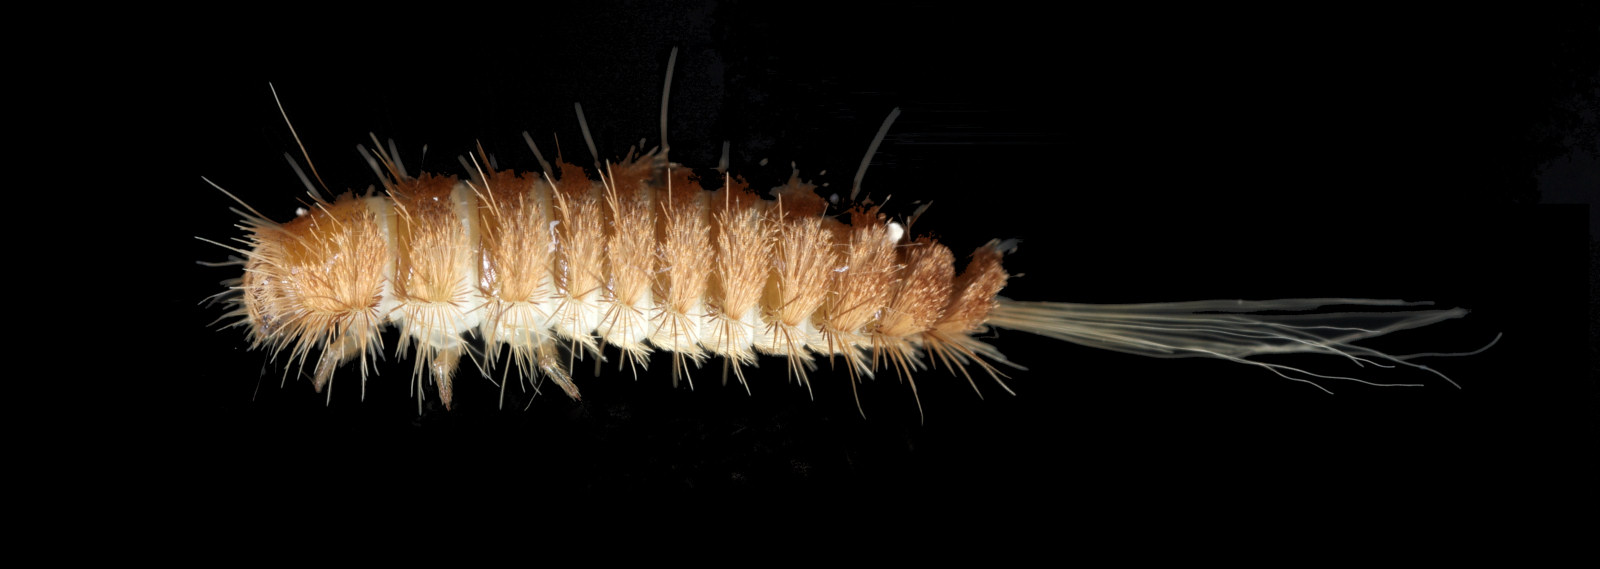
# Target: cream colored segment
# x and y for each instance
(817, 340)
(626, 326)
(732, 337)
(682, 331)
(780, 339)
(522, 323)
(383, 210)
(576, 317)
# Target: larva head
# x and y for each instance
(317, 281)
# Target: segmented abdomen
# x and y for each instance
(643, 259)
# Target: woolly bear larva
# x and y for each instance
(634, 255)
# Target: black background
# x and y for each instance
(1139, 157)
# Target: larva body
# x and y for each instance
(549, 268)
(1141, 182)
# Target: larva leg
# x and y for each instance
(334, 354)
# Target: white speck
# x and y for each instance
(896, 231)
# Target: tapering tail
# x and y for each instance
(1234, 330)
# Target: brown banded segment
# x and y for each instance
(630, 253)
(924, 290)
(513, 221)
(798, 199)
(580, 245)
(433, 242)
(744, 235)
(686, 250)
(803, 263)
(974, 291)
(861, 286)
